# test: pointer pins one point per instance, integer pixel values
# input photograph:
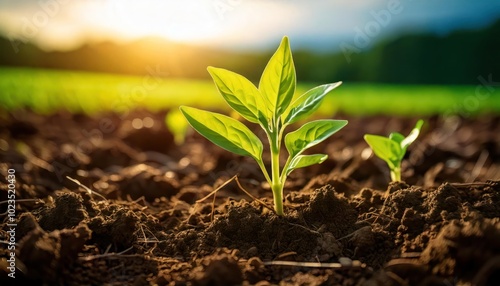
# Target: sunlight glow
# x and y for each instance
(69, 24)
(175, 20)
(242, 24)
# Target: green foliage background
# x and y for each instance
(48, 90)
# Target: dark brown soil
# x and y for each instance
(135, 219)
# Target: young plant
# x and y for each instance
(392, 149)
(176, 125)
(271, 106)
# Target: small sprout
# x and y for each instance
(273, 107)
(392, 149)
(176, 125)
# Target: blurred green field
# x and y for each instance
(46, 91)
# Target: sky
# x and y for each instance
(238, 24)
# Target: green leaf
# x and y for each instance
(385, 148)
(225, 132)
(278, 80)
(309, 102)
(311, 134)
(239, 93)
(413, 135)
(397, 137)
(302, 161)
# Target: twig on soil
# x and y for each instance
(41, 163)
(107, 249)
(354, 232)
(6, 242)
(91, 192)
(109, 255)
(396, 278)
(493, 172)
(141, 198)
(150, 251)
(23, 200)
(146, 204)
(253, 197)
(212, 214)
(308, 229)
(114, 268)
(312, 264)
(478, 166)
(20, 201)
(216, 190)
(235, 177)
(146, 239)
(376, 215)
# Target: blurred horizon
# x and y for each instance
(383, 41)
(57, 25)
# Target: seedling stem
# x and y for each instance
(277, 182)
(396, 174)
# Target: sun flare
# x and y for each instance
(175, 20)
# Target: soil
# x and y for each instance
(99, 202)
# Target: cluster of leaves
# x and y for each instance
(273, 107)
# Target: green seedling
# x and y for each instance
(273, 107)
(392, 149)
(176, 125)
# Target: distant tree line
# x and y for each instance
(458, 58)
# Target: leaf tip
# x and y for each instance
(211, 69)
(285, 43)
(419, 124)
(323, 159)
(185, 110)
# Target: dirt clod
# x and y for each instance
(219, 269)
(67, 212)
(456, 250)
(44, 254)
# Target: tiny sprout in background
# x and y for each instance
(177, 125)
(392, 149)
